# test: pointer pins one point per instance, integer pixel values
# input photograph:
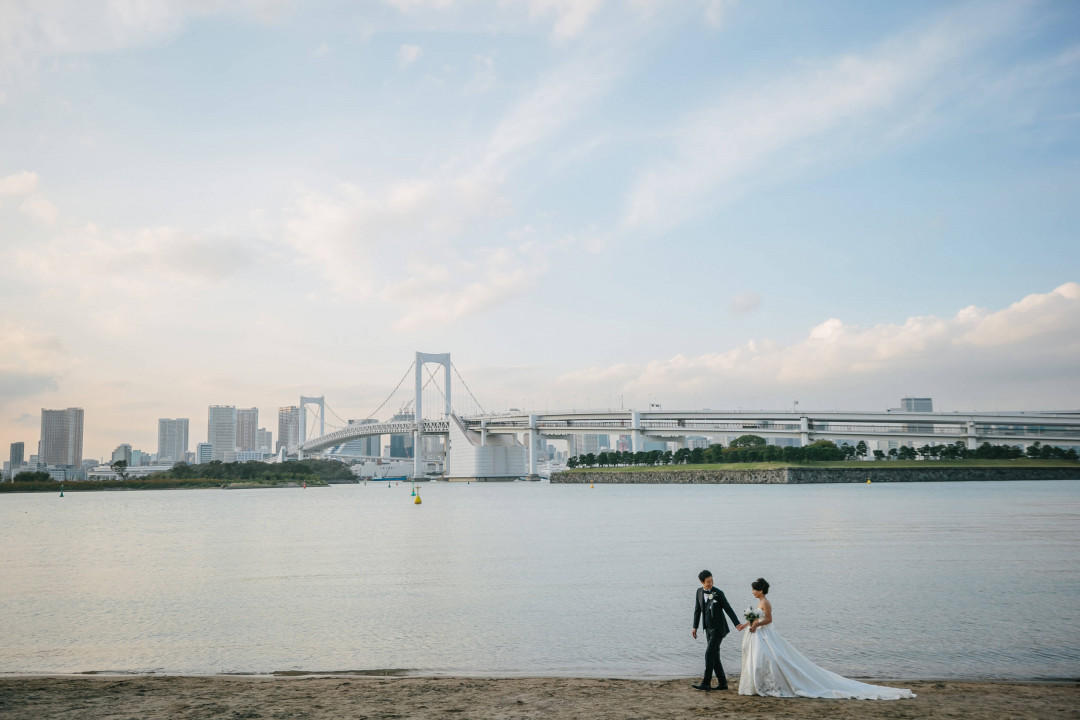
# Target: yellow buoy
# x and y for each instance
(867, 481)
(417, 500)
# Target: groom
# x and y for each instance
(710, 606)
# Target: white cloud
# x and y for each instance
(1032, 346)
(773, 124)
(323, 50)
(456, 286)
(571, 16)
(717, 11)
(20, 183)
(745, 302)
(120, 279)
(484, 78)
(31, 30)
(40, 209)
(414, 5)
(30, 363)
(408, 54)
(355, 232)
(1033, 317)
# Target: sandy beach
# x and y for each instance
(361, 697)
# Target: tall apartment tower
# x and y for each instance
(18, 451)
(288, 427)
(221, 431)
(401, 445)
(172, 439)
(122, 452)
(264, 441)
(363, 446)
(61, 436)
(247, 429)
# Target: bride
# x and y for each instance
(771, 666)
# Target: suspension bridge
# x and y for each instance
(477, 445)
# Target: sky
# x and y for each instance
(588, 203)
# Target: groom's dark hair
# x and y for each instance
(704, 574)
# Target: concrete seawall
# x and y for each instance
(799, 475)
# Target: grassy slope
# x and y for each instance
(867, 465)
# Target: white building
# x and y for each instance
(247, 429)
(288, 427)
(264, 441)
(61, 436)
(172, 439)
(221, 430)
(204, 453)
(105, 472)
(122, 453)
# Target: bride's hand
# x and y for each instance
(753, 628)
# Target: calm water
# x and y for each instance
(888, 580)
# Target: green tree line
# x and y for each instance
(754, 448)
(255, 471)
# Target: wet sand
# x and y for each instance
(358, 697)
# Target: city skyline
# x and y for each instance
(700, 204)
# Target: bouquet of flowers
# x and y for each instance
(751, 614)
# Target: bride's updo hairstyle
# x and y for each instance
(761, 585)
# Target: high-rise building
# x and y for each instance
(368, 446)
(910, 404)
(138, 457)
(401, 445)
(122, 452)
(204, 453)
(288, 427)
(61, 436)
(221, 430)
(172, 443)
(264, 441)
(247, 429)
(17, 453)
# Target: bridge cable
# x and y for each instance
(343, 420)
(432, 379)
(482, 412)
(391, 395)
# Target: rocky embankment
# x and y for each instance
(804, 475)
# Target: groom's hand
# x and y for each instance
(740, 627)
(693, 633)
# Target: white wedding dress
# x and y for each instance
(772, 666)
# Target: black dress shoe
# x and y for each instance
(702, 686)
(721, 687)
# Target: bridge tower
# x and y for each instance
(304, 401)
(418, 437)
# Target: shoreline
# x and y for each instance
(404, 673)
(811, 475)
(153, 697)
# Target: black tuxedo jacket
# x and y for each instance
(715, 619)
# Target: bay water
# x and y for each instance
(919, 580)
